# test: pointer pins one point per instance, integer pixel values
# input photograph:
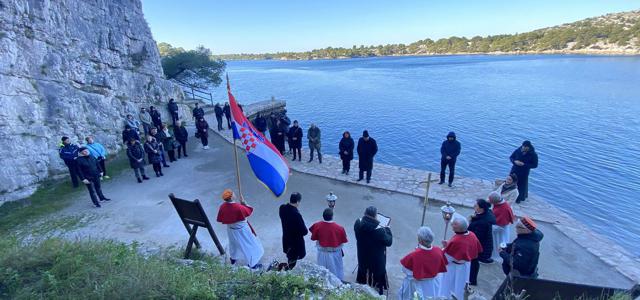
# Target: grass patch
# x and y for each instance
(58, 269)
(52, 196)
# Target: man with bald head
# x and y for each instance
(460, 250)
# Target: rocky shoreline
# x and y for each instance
(412, 182)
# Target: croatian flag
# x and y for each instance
(266, 162)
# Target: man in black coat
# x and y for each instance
(197, 112)
(135, 153)
(372, 243)
(346, 151)
(295, 140)
(260, 123)
(449, 150)
(69, 153)
(523, 159)
(227, 114)
(219, 113)
(129, 133)
(367, 149)
(172, 106)
(155, 117)
(182, 136)
(90, 173)
(293, 230)
(524, 252)
(277, 137)
(482, 226)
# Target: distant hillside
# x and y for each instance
(617, 33)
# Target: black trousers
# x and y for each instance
(183, 149)
(523, 188)
(95, 188)
(157, 167)
(172, 155)
(362, 173)
(204, 139)
(73, 172)
(299, 152)
(475, 269)
(346, 165)
(452, 169)
(219, 119)
(174, 119)
(228, 121)
(101, 161)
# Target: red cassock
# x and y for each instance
(425, 263)
(504, 214)
(232, 212)
(464, 246)
(328, 234)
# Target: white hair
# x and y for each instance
(425, 235)
(494, 197)
(460, 222)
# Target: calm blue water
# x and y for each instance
(582, 114)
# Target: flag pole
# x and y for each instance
(235, 150)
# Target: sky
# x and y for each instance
(252, 26)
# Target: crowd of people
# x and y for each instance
(430, 270)
(147, 140)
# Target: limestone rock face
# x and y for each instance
(75, 68)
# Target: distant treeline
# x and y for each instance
(621, 29)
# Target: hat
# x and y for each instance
(365, 133)
(526, 144)
(451, 134)
(82, 149)
(529, 223)
(227, 195)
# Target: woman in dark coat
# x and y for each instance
(346, 151)
(293, 230)
(482, 226)
(523, 159)
(372, 243)
(135, 153)
(165, 137)
(202, 132)
(182, 136)
(153, 149)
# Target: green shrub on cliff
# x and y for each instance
(193, 67)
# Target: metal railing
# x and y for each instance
(194, 93)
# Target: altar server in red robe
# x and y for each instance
(460, 250)
(243, 244)
(423, 268)
(504, 223)
(329, 237)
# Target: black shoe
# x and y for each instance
(359, 179)
(105, 199)
(145, 177)
(441, 182)
(486, 261)
(161, 174)
(368, 180)
(310, 160)
(98, 205)
(166, 166)
(186, 155)
(157, 174)
(139, 180)
(450, 185)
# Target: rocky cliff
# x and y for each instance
(70, 67)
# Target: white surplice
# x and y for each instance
(425, 288)
(501, 234)
(243, 244)
(455, 279)
(331, 258)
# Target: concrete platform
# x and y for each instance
(143, 213)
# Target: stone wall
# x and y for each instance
(70, 67)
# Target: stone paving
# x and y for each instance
(463, 193)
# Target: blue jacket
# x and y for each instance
(96, 150)
(68, 152)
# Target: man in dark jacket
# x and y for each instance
(182, 136)
(260, 123)
(293, 231)
(372, 243)
(172, 106)
(277, 137)
(219, 113)
(135, 153)
(90, 173)
(482, 226)
(227, 114)
(295, 138)
(68, 153)
(197, 112)
(523, 159)
(129, 133)
(450, 150)
(155, 117)
(524, 252)
(367, 149)
(346, 151)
